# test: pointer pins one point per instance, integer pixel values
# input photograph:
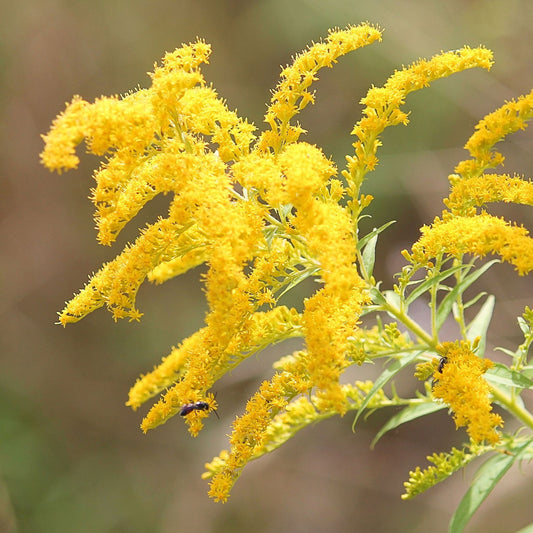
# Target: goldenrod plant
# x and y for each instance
(266, 211)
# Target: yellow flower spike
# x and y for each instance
(128, 125)
(511, 117)
(117, 282)
(477, 235)
(299, 413)
(459, 384)
(291, 95)
(233, 333)
(444, 464)
(196, 365)
(66, 133)
(201, 111)
(171, 369)
(180, 70)
(146, 163)
(382, 104)
(467, 194)
(249, 432)
(181, 400)
(188, 251)
(329, 322)
(464, 230)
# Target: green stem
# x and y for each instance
(459, 276)
(512, 406)
(411, 325)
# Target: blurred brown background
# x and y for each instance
(72, 457)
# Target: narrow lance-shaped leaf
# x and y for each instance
(510, 378)
(447, 303)
(486, 479)
(411, 412)
(479, 326)
(369, 255)
(381, 381)
(428, 283)
(296, 278)
(376, 231)
(368, 245)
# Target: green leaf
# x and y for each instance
(524, 326)
(479, 326)
(447, 303)
(511, 378)
(505, 351)
(385, 376)
(369, 255)
(392, 298)
(487, 477)
(363, 241)
(377, 297)
(411, 412)
(528, 371)
(285, 210)
(474, 300)
(428, 283)
(297, 277)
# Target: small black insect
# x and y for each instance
(442, 363)
(196, 406)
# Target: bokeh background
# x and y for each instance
(72, 457)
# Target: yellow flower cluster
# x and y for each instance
(383, 104)
(272, 433)
(444, 464)
(493, 128)
(292, 95)
(264, 213)
(459, 383)
(463, 229)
